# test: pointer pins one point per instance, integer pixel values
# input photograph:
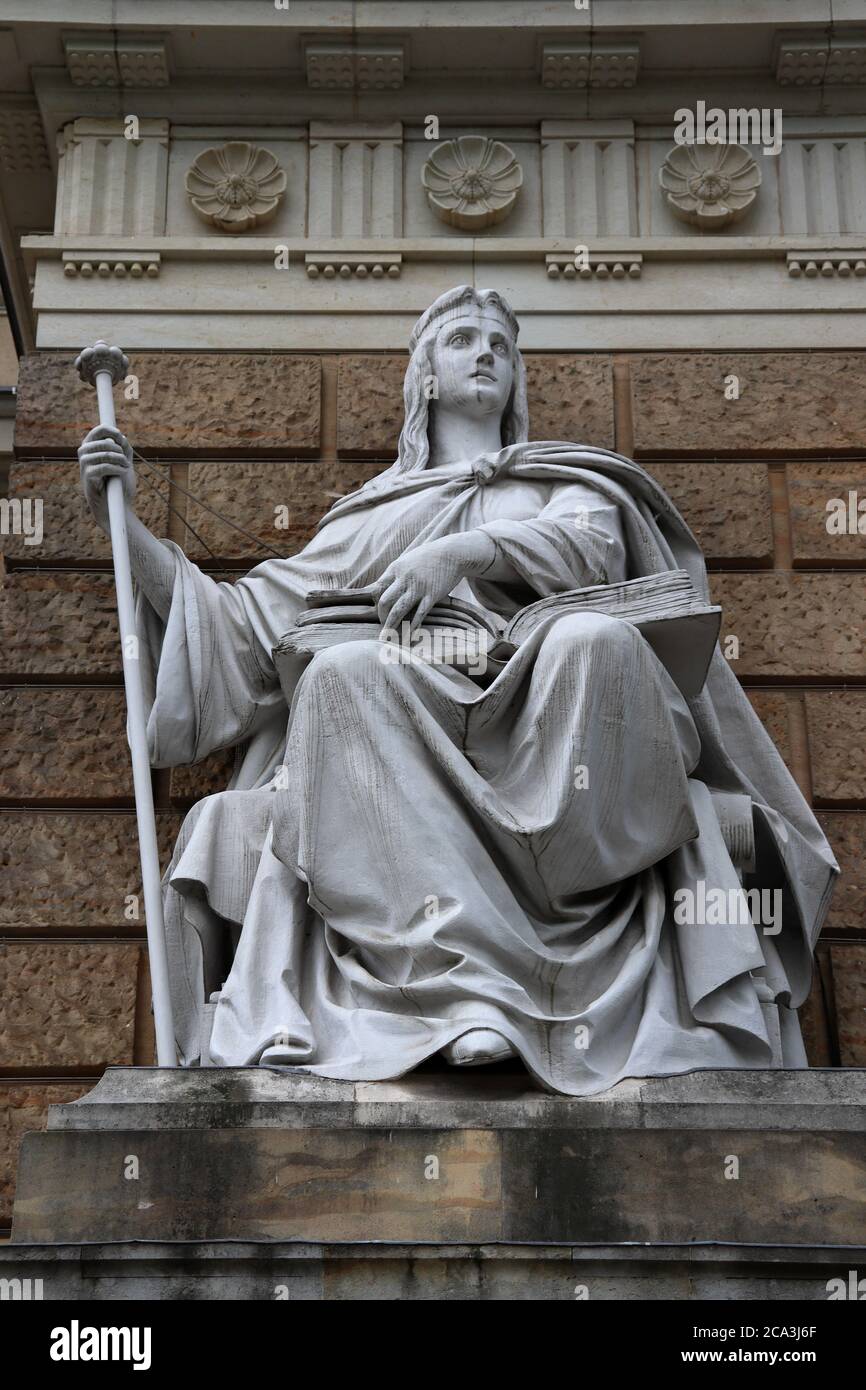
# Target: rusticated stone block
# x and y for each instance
(789, 402)
(846, 831)
(727, 505)
(67, 1004)
(278, 502)
(814, 1020)
(794, 625)
(370, 406)
(772, 710)
(849, 988)
(836, 720)
(47, 878)
(68, 530)
(570, 398)
(58, 623)
(192, 782)
(24, 1107)
(189, 403)
(64, 745)
(811, 488)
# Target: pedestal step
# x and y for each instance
(773, 1157)
(419, 1273)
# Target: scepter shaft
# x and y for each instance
(102, 365)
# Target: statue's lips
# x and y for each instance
(483, 376)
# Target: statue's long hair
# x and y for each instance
(413, 451)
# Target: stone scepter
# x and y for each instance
(103, 366)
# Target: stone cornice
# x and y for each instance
(333, 16)
(487, 248)
(666, 293)
(460, 100)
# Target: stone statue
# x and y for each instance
(411, 859)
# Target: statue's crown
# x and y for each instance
(453, 305)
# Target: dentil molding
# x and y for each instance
(591, 65)
(350, 67)
(812, 59)
(99, 59)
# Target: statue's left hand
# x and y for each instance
(414, 582)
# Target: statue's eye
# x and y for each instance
(501, 348)
(459, 340)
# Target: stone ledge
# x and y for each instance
(145, 1098)
(302, 1271)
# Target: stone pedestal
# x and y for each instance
(254, 1183)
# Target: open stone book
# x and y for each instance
(665, 608)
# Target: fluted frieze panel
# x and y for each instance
(588, 178)
(109, 185)
(823, 186)
(356, 180)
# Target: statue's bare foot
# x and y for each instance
(478, 1046)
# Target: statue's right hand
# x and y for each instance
(105, 453)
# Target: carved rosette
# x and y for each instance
(236, 187)
(710, 186)
(472, 182)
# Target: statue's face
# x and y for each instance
(473, 362)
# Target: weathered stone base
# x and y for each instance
(224, 1183)
(270, 1271)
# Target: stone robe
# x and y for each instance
(409, 852)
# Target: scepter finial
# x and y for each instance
(101, 358)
